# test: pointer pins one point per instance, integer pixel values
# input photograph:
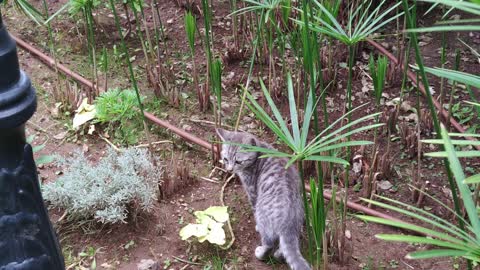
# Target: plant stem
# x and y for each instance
(250, 71)
(127, 59)
(306, 209)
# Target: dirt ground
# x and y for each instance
(155, 235)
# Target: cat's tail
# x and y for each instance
(290, 248)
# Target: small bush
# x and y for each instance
(121, 184)
(119, 110)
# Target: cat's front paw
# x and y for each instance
(261, 252)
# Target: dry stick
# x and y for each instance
(421, 87)
(152, 143)
(185, 261)
(110, 143)
(228, 220)
(209, 180)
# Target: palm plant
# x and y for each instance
(451, 240)
(301, 149)
(367, 22)
(448, 239)
(422, 70)
(30, 11)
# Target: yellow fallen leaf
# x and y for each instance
(85, 113)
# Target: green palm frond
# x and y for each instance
(360, 24)
(331, 138)
(447, 238)
(453, 25)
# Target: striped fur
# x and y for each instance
(274, 194)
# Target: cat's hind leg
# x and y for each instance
(278, 255)
(268, 242)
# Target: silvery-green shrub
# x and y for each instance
(121, 184)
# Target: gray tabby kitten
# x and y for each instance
(274, 194)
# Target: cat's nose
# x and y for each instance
(229, 167)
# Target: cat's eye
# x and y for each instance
(238, 162)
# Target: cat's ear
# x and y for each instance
(252, 141)
(222, 133)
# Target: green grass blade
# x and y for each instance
(340, 145)
(454, 142)
(293, 113)
(54, 15)
(332, 19)
(322, 143)
(266, 119)
(464, 135)
(457, 171)
(422, 240)
(278, 116)
(475, 179)
(462, 5)
(435, 253)
(427, 217)
(410, 227)
(459, 154)
(328, 159)
(446, 28)
(458, 76)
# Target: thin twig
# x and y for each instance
(214, 169)
(110, 143)
(209, 123)
(228, 220)
(209, 180)
(152, 143)
(185, 261)
(62, 217)
(411, 267)
(37, 127)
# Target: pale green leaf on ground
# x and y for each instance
(197, 230)
(216, 234)
(84, 113)
(219, 213)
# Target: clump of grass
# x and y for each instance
(117, 109)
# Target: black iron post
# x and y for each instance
(27, 239)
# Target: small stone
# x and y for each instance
(61, 135)
(187, 128)
(145, 264)
(385, 185)
(348, 234)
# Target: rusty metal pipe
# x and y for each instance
(180, 132)
(51, 63)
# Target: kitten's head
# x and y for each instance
(233, 158)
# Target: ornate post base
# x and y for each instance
(27, 239)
